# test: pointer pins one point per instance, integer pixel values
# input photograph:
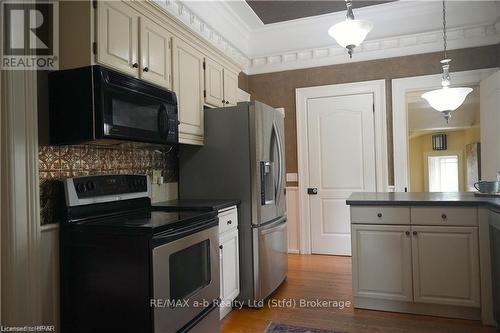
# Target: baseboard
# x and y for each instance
(437, 310)
(293, 251)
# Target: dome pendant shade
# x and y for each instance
(350, 33)
(446, 98)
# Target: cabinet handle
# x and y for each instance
(221, 247)
(444, 216)
(414, 233)
(146, 69)
(135, 65)
(379, 215)
(407, 233)
(229, 222)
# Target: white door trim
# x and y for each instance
(377, 88)
(20, 209)
(400, 113)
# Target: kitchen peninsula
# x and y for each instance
(423, 253)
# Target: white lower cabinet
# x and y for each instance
(381, 262)
(229, 260)
(446, 265)
(417, 268)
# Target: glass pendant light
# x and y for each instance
(447, 99)
(350, 33)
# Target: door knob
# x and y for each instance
(221, 247)
(312, 190)
(135, 65)
(229, 222)
(146, 69)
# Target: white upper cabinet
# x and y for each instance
(117, 36)
(156, 53)
(221, 85)
(230, 88)
(214, 83)
(188, 85)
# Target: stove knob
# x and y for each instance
(80, 188)
(90, 185)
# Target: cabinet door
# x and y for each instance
(381, 262)
(230, 273)
(446, 265)
(156, 53)
(230, 88)
(214, 83)
(117, 36)
(188, 85)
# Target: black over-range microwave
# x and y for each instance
(96, 104)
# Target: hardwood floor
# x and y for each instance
(329, 278)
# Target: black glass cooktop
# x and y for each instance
(155, 221)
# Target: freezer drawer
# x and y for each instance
(271, 263)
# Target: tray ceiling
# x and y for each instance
(281, 11)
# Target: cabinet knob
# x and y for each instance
(407, 233)
(229, 222)
(221, 247)
(379, 215)
(227, 102)
(146, 69)
(444, 216)
(135, 65)
(414, 233)
(223, 101)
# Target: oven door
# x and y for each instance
(185, 279)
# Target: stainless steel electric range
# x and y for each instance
(125, 268)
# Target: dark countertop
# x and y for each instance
(194, 204)
(421, 199)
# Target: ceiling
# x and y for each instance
(281, 11)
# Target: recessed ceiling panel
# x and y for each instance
(280, 11)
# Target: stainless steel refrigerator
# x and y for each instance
(244, 158)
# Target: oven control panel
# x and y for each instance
(98, 186)
(106, 188)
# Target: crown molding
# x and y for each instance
(199, 25)
(464, 37)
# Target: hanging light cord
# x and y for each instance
(444, 30)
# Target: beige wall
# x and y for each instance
(421, 145)
(278, 89)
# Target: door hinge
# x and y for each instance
(169, 44)
(204, 93)
(204, 65)
(94, 4)
(373, 107)
(94, 47)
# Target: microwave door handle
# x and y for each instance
(162, 119)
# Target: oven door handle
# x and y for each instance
(169, 236)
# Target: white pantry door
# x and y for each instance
(341, 141)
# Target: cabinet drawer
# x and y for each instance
(453, 216)
(228, 219)
(380, 215)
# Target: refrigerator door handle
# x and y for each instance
(280, 163)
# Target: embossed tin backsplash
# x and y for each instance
(59, 162)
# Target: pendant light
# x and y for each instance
(350, 33)
(447, 99)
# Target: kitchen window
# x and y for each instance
(443, 173)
